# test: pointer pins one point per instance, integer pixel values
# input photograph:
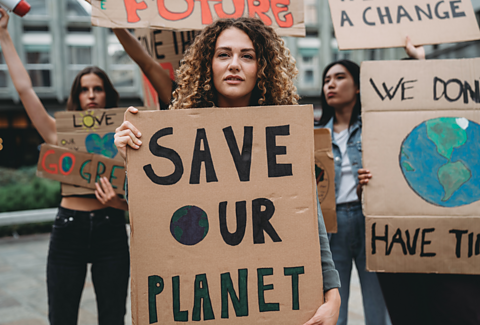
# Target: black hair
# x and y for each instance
(328, 111)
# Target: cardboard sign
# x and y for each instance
(285, 16)
(167, 48)
(378, 23)
(90, 131)
(421, 130)
(79, 168)
(325, 177)
(224, 221)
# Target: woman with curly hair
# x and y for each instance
(237, 63)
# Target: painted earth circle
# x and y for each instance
(189, 225)
(322, 179)
(440, 160)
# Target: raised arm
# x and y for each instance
(158, 77)
(44, 123)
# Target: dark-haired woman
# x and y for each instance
(88, 228)
(237, 63)
(341, 107)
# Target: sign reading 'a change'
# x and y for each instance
(378, 23)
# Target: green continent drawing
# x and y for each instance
(440, 160)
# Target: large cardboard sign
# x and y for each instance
(224, 221)
(90, 131)
(285, 16)
(421, 134)
(325, 177)
(79, 168)
(378, 23)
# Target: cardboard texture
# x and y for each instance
(421, 129)
(379, 23)
(325, 177)
(79, 168)
(285, 16)
(223, 205)
(167, 48)
(89, 131)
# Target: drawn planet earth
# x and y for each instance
(322, 180)
(189, 225)
(440, 160)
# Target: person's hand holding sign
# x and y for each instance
(127, 134)
(414, 52)
(106, 195)
(327, 314)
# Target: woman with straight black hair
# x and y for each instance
(341, 114)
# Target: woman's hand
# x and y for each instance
(364, 176)
(127, 134)
(3, 20)
(414, 52)
(327, 314)
(107, 196)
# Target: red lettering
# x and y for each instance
(54, 169)
(150, 95)
(206, 13)
(60, 163)
(169, 15)
(132, 6)
(239, 9)
(169, 67)
(276, 9)
(260, 10)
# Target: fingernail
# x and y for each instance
(139, 134)
(139, 142)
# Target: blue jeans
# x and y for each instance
(78, 237)
(348, 245)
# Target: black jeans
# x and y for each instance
(98, 237)
(439, 299)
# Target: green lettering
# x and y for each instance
(155, 287)
(239, 304)
(86, 176)
(262, 305)
(178, 315)
(112, 174)
(101, 166)
(294, 272)
(202, 294)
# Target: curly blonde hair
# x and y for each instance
(276, 67)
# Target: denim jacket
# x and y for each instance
(354, 151)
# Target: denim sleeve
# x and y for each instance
(331, 279)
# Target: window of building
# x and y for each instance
(38, 8)
(79, 53)
(3, 72)
(308, 78)
(37, 46)
(76, 8)
(121, 66)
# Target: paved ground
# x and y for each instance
(23, 297)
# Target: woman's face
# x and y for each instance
(339, 88)
(234, 67)
(92, 94)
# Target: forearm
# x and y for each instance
(133, 48)
(18, 73)
(43, 122)
(158, 77)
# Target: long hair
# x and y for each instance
(111, 95)
(328, 111)
(276, 67)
